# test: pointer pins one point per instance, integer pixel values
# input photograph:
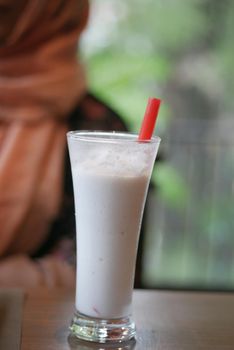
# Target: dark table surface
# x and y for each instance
(165, 321)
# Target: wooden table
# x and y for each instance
(165, 321)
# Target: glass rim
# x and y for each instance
(109, 136)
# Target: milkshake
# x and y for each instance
(111, 174)
(107, 236)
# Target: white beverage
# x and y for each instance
(111, 173)
(108, 215)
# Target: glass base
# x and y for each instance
(102, 331)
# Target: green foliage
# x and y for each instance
(217, 219)
(136, 63)
(171, 186)
(124, 80)
(225, 56)
(169, 25)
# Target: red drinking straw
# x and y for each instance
(148, 124)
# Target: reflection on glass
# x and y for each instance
(76, 344)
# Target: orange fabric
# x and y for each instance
(40, 83)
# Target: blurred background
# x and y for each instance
(183, 52)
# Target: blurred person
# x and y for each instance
(42, 96)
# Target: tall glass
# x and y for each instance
(111, 173)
